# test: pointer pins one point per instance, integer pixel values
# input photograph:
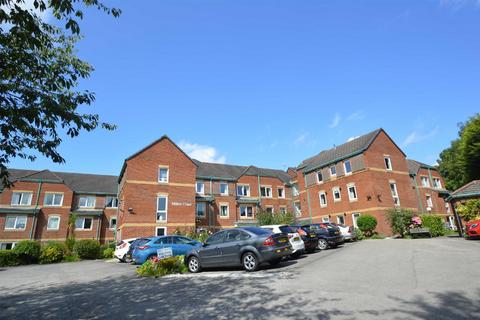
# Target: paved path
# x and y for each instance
(377, 279)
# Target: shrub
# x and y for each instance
(108, 253)
(70, 243)
(87, 249)
(470, 210)
(158, 268)
(28, 251)
(266, 218)
(434, 223)
(52, 252)
(8, 258)
(399, 220)
(359, 234)
(71, 258)
(367, 224)
(377, 236)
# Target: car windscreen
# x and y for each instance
(140, 242)
(258, 231)
(314, 227)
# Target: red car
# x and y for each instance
(473, 229)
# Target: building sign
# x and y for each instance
(185, 204)
(164, 253)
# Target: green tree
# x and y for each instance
(367, 224)
(399, 220)
(39, 73)
(460, 163)
(470, 210)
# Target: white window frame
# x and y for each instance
(355, 216)
(83, 224)
(267, 194)
(343, 219)
(394, 192)
(298, 210)
(16, 222)
(282, 209)
(345, 167)
(295, 190)
(437, 183)
(226, 189)
(114, 202)
(3, 245)
(204, 210)
(58, 223)
(325, 219)
(110, 223)
(426, 180)
(224, 205)
(160, 168)
(283, 192)
(53, 194)
(160, 228)
(333, 174)
(447, 207)
(87, 197)
(247, 189)
(428, 198)
(22, 194)
(246, 212)
(316, 174)
(270, 207)
(352, 185)
(322, 205)
(162, 211)
(339, 193)
(388, 163)
(202, 189)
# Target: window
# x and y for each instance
(160, 231)
(447, 207)
(243, 190)
(336, 194)
(348, 167)
(425, 182)
(53, 199)
(354, 219)
(246, 212)
(429, 201)
(21, 198)
(393, 189)
(352, 192)
(163, 174)
(341, 220)
(83, 223)
(266, 192)
(7, 245)
(236, 235)
(113, 223)
(295, 191)
(333, 171)
(216, 238)
(298, 208)
(325, 219)
(162, 208)
(269, 209)
(200, 188)
(224, 211)
(53, 223)
(283, 209)
(16, 223)
(437, 183)
(323, 199)
(86, 202)
(111, 202)
(281, 192)
(224, 189)
(388, 163)
(201, 209)
(319, 177)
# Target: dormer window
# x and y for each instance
(21, 198)
(319, 177)
(348, 167)
(200, 188)
(86, 202)
(243, 190)
(333, 171)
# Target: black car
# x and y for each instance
(133, 245)
(329, 236)
(309, 238)
(247, 246)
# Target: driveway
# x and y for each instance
(376, 279)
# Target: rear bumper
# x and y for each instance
(297, 246)
(335, 241)
(269, 254)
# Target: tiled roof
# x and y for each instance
(78, 182)
(340, 152)
(414, 166)
(471, 189)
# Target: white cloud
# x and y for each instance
(352, 138)
(356, 116)
(202, 152)
(416, 136)
(335, 121)
(302, 138)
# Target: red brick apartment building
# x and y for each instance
(161, 190)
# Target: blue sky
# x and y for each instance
(271, 83)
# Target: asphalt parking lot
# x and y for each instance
(376, 279)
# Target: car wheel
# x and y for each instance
(322, 244)
(250, 262)
(193, 264)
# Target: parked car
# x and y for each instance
(328, 235)
(309, 238)
(298, 247)
(148, 250)
(247, 246)
(121, 249)
(473, 228)
(137, 242)
(348, 232)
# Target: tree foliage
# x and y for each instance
(39, 73)
(267, 218)
(460, 163)
(367, 224)
(470, 210)
(399, 220)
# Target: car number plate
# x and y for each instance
(337, 232)
(312, 236)
(282, 240)
(296, 239)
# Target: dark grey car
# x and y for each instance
(248, 247)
